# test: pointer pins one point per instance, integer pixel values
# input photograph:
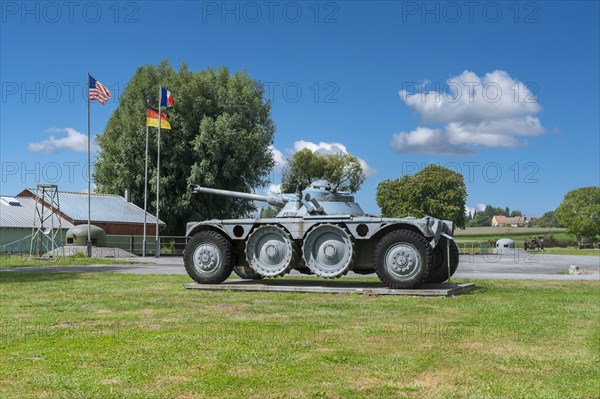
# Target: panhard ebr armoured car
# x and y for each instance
(322, 232)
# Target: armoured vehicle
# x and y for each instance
(323, 232)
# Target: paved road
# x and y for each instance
(513, 266)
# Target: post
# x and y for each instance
(89, 229)
(157, 249)
(144, 242)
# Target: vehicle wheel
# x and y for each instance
(208, 258)
(328, 251)
(246, 273)
(403, 259)
(440, 261)
(270, 251)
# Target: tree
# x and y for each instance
(579, 212)
(548, 219)
(480, 220)
(220, 137)
(342, 170)
(434, 191)
(516, 212)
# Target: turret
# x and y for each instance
(319, 198)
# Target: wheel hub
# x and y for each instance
(271, 251)
(402, 260)
(330, 251)
(206, 258)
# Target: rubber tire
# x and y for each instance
(440, 263)
(405, 236)
(246, 273)
(223, 271)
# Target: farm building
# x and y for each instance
(122, 220)
(516, 221)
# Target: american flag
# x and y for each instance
(98, 92)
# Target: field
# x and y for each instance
(569, 251)
(78, 260)
(514, 233)
(509, 231)
(144, 336)
(480, 239)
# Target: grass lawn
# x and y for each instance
(503, 231)
(27, 261)
(515, 237)
(569, 251)
(144, 336)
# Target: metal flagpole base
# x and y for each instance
(89, 249)
(157, 249)
(144, 246)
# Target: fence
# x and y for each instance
(169, 245)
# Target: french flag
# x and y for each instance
(166, 98)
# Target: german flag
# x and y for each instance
(152, 119)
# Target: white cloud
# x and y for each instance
(428, 141)
(490, 111)
(278, 157)
(73, 141)
(470, 210)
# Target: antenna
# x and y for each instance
(47, 228)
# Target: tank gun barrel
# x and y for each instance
(274, 200)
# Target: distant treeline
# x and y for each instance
(484, 218)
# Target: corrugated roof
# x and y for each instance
(106, 208)
(19, 213)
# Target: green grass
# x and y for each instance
(515, 237)
(144, 336)
(470, 247)
(504, 231)
(569, 251)
(77, 260)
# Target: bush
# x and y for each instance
(551, 242)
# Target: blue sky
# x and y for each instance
(504, 92)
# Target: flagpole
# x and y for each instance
(89, 229)
(144, 243)
(157, 248)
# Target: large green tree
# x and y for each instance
(579, 212)
(220, 137)
(434, 191)
(342, 170)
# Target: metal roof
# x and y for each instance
(18, 213)
(106, 208)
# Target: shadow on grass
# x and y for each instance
(19, 277)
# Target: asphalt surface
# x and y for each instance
(517, 265)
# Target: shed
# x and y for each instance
(16, 224)
(112, 213)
